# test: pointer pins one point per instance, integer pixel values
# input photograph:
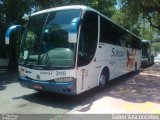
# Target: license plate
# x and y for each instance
(39, 87)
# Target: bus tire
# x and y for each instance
(136, 69)
(104, 78)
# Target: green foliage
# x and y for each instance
(104, 6)
(156, 47)
(13, 10)
(148, 9)
(141, 17)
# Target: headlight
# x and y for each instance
(65, 79)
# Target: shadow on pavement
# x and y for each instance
(56, 100)
(7, 78)
(144, 87)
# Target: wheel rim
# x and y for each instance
(135, 68)
(102, 80)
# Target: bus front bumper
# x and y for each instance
(67, 88)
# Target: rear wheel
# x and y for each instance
(135, 69)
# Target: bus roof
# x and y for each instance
(62, 8)
(145, 41)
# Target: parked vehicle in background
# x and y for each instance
(147, 53)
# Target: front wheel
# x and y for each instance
(103, 79)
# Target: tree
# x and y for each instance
(104, 6)
(10, 14)
(132, 14)
(150, 10)
(144, 15)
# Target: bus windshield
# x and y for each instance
(145, 48)
(45, 41)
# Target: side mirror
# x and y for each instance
(72, 37)
(9, 31)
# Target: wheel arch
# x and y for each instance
(107, 71)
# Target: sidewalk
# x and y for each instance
(137, 94)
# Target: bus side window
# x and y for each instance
(109, 33)
(122, 42)
(104, 36)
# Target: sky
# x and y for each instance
(118, 5)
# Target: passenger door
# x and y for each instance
(87, 72)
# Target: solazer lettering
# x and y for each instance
(117, 53)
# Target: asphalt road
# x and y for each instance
(132, 93)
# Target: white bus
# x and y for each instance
(71, 49)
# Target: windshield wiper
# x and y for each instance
(47, 56)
